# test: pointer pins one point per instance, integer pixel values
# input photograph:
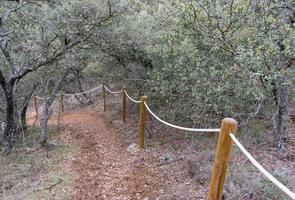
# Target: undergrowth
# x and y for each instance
(31, 172)
(191, 157)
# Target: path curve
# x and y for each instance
(103, 168)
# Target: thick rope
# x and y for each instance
(180, 127)
(261, 169)
(40, 98)
(113, 92)
(81, 93)
(134, 101)
(19, 99)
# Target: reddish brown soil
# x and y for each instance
(103, 168)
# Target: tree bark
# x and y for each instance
(23, 113)
(10, 122)
(280, 119)
(23, 116)
(45, 111)
(78, 79)
(43, 123)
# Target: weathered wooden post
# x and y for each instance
(36, 106)
(61, 101)
(124, 105)
(142, 121)
(222, 157)
(104, 96)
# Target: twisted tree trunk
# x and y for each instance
(46, 110)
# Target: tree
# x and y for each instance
(32, 40)
(224, 58)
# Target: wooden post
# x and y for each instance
(124, 105)
(36, 106)
(61, 102)
(222, 157)
(142, 121)
(104, 97)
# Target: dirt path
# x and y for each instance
(103, 168)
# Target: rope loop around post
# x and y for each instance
(222, 157)
(113, 92)
(131, 99)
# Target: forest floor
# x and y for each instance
(103, 168)
(95, 156)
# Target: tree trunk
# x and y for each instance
(280, 119)
(9, 128)
(45, 111)
(43, 123)
(23, 114)
(78, 79)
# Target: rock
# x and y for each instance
(132, 148)
(167, 157)
(281, 172)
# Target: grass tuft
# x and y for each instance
(31, 172)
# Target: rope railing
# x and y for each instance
(41, 98)
(18, 99)
(21, 98)
(209, 130)
(85, 92)
(224, 146)
(112, 92)
(262, 169)
(131, 99)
